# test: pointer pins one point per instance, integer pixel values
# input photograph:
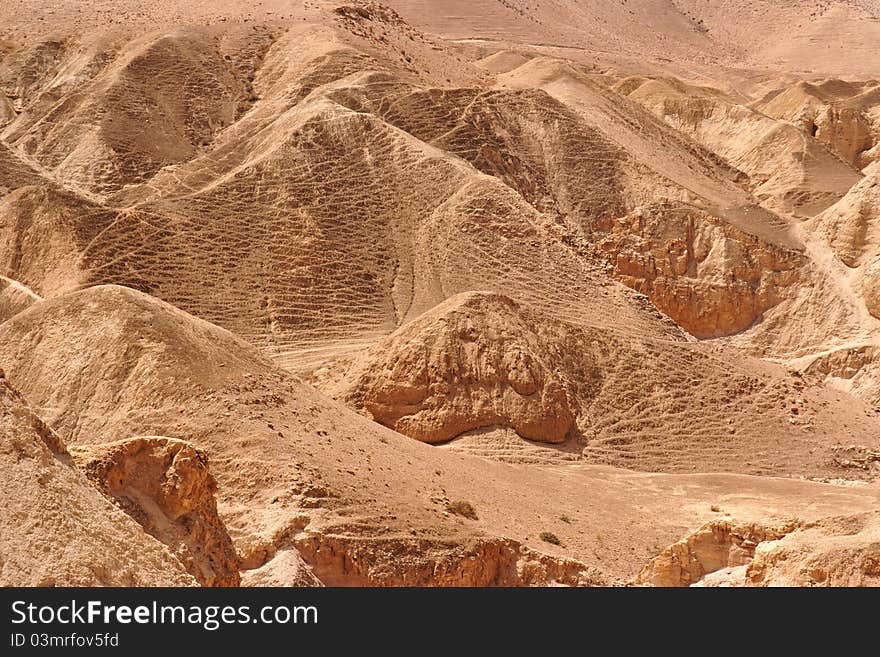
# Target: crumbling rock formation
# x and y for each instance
(715, 546)
(55, 528)
(286, 568)
(710, 277)
(787, 169)
(858, 365)
(342, 561)
(847, 130)
(471, 362)
(839, 114)
(839, 551)
(843, 551)
(165, 485)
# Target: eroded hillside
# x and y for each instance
(388, 294)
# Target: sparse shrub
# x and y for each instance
(462, 508)
(566, 519)
(550, 537)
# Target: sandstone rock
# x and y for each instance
(717, 545)
(871, 288)
(839, 551)
(341, 561)
(55, 528)
(14, 298)
(711, 278)
(286, 568)
(165, 485)
(471, 362)
(852, 225)
(732, 576)
(847, 130)
(842, 551)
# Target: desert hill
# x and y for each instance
(361, 293)
(480, 360)
(295, 470)
(573, 191)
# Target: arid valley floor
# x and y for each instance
(440, 293)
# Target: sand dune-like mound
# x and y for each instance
(57, 529)
(14, 171)
(43, 232)
(156, 102)
(701, 176)
(363, 504)
(164, 484)
(718, 548)
(754, 33)
(153, 353)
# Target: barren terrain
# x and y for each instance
(440, 293)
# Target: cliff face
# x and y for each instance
(841, 551)
(165, 485)
(838, 551)
(716, 546)
(55, 528)
(711, 278)
(488, 562)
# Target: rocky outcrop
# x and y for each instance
(711, 278)
(287, 568)
(871, 288)
(851, 226)
(847, 131)
(165, 485)
(471, 362)
(857, 366)
(55, 528)
(346, 561)
(842, 551)
(717, 545)
(841, 115)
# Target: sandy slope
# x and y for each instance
(479, 224)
